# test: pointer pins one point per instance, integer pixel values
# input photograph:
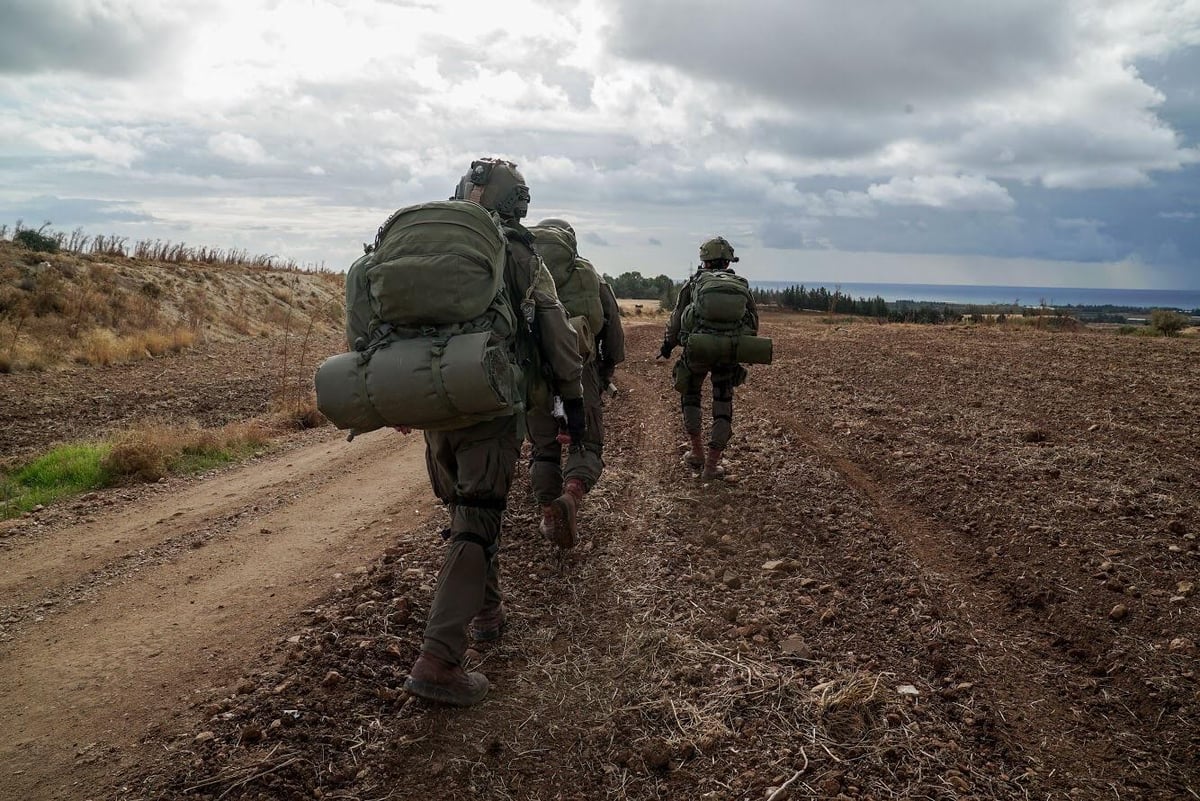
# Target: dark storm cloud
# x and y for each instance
(1175, 76)
(927, 230)
(875, 53)
(112, 40)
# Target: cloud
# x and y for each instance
(593, 238)
(98, 37)
(875, 53)
(963, 192)
(1024, 91)
(237, 148)
(1060, 131)
(64, 213)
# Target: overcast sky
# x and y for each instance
(1026, 142)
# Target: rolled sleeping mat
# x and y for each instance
(725, 349)
(419, 384)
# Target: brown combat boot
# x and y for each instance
(435, 679)
(489, 624)
(695, 457)
(712, 465)
(559, 523)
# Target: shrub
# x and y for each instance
(144, 453)
(298, 412)
(151, 451)
(1167, 322)
(36, 241)
(100, 346)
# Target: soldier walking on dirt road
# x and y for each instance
(713, 279)
(595, 316)
(471, 468)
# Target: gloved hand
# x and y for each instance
(576, 423)
(665, 351)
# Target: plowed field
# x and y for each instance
(949, 563)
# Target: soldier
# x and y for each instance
(593, 310)
(610, 342)
(471, 468)
(716, 255)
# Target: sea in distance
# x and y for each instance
(1183, 299)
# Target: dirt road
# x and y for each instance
(949, 563)
(113, 624)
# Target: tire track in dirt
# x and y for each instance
(79, 689)
(47, 566)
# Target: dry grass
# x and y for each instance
(101, 346)
(65, 307)
(640, 307)
(148, 452)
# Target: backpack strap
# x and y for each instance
(435, 370)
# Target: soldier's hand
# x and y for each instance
(403, 430)
(665, 351)
(576, 422)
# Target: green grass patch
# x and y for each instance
(66, 470)
(191, 463)
(148, 452)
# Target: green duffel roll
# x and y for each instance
(705, 349)
(413, 383)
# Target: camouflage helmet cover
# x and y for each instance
(497, 185)
(717, 249)
(557, 222)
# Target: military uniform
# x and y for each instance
(717, 255)
(560, 490)
(471, 469)
(611, 341)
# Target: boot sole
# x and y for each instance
(564, 532)
(445, 695)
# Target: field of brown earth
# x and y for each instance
(950, 563)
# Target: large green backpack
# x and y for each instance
(576, 282)
(719, 301)
(430, 324)
(715, 326)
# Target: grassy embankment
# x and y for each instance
(89, 302)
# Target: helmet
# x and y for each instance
(497, 185)
(717, 249)
(557, 222)
(551, 228)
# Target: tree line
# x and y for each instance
(798, 297)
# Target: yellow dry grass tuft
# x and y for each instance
(102, 346)
(147, 452)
